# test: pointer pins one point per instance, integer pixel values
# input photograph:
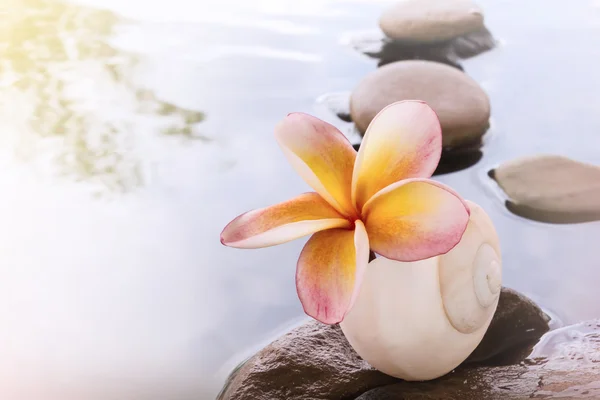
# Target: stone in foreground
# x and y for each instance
(312, 362)
(461, 104)
(516, 327)
(316, 362)
(564, 365)
(430, 20)
(550, 188)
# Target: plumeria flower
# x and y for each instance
(378, 199)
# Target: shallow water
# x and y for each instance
(132, 132)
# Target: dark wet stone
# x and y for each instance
(392, 51)
(453, 161)
(516, 327)
(449, 52)
(315, 361)
(460, 103)
(473, 43)
(499, 383)
(563, 365)
(312, 362)
(551, 188)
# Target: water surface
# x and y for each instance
(132, 132)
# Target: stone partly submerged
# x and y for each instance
(460, 103)
(312, 362)
(564, 365)
(316, 362)
(551, 188)
(458, 159)
(450, 52)
(430, 20)
(516, 327)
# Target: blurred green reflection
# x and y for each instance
(67, 94)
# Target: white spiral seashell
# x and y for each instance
(420, 320)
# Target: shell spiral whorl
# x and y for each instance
(487, 279)
(470, 274)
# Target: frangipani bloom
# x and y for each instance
(378, 199)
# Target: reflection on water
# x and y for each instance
(66, 90)
(450, 52)
(457, 160)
